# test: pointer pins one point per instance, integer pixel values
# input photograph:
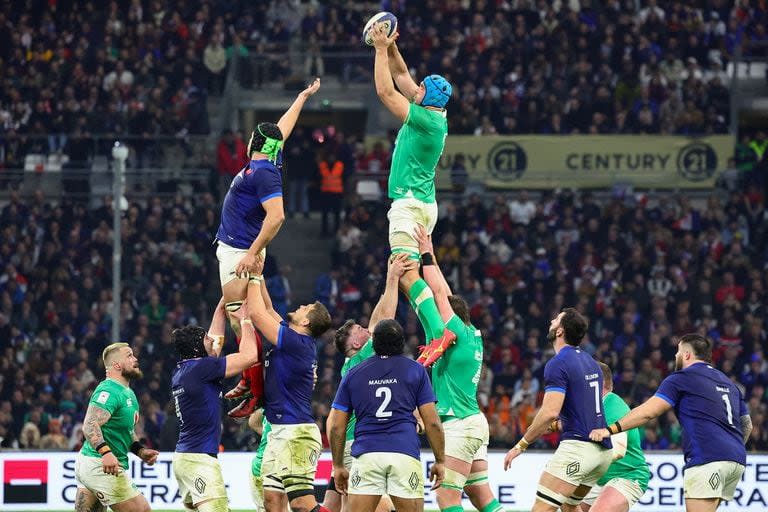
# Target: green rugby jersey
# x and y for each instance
(119, 401)
(364, 353)
(256, 464)
(418, 147)
(456, 374)
(632, 466)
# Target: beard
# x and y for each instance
(552, 335)
(133, 373)
(678, 363)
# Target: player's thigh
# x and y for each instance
(332, 500)
(108, 489)
(136, 504)
(404, 216)
(228, 258)
(274, 501)
(363, 502)
(385, 504)
(199, 477)
(257, 492)
(590, 498)
(214, 505)
(86, 501)
(701, 504)
(713, 480)
(302, 451)
(610, 499)
(572, 470)
(408, 504)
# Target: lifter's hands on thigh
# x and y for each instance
(424, 239)
(248, 264)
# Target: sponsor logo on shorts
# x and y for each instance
(413, 481)
(355, 479)
(314, 455)
(100, 495)
(714, 481)
(572, 468)
(200, 485)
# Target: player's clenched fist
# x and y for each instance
(599, 434)
(148, 456)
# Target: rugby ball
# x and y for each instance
(390, 23)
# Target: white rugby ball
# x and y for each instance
(387, 18)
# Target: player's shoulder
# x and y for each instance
(615, 401)
(111, 386)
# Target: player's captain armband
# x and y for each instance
(103, 397)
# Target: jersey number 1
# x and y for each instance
(728, 408)
(386, 393)
(596, 385)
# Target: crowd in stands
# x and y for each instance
(566, 67)
(643, 271)
(144, 68)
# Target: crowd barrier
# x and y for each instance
(46, 481)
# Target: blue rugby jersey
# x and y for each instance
(574, 373)
(383, 392)
(709, 407)
(196, 386)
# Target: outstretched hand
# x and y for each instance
(424, 239)
(378, 33)
(311, 88)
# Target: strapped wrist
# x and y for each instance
(427, 259)
(136, 447)
(103, 449)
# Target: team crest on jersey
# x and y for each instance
(129, 402)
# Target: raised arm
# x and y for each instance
(640, 415)
(385, 88)
(248, 352)
(387, 306)
(399, 71)
(218, 327)
(288, 122)
(432, 274)
(267, 323)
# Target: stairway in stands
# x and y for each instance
(298, 245)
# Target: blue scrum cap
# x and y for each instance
(438, 91)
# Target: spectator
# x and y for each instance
(215, 60)
(54, 440)
(231, 154)
(331, 172)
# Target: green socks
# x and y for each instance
(493, 506)
(423, 301)
(455, 508)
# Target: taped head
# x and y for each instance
(189, 342)
(437, 91)
(267, 139)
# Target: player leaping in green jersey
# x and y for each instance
(101, 467)
(626, 480)
(354, 341)
(418, 147)
(455, 377)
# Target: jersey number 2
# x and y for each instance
(385, 393)
(728, 408)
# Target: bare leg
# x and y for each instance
(86, 501)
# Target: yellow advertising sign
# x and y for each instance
(539, 161)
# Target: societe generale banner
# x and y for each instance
(46, 481)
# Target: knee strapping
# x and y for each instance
(233, 306)
(550, 497)
(454, 480)
(477, 478)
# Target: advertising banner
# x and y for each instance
(584, 161)
(46, 481)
